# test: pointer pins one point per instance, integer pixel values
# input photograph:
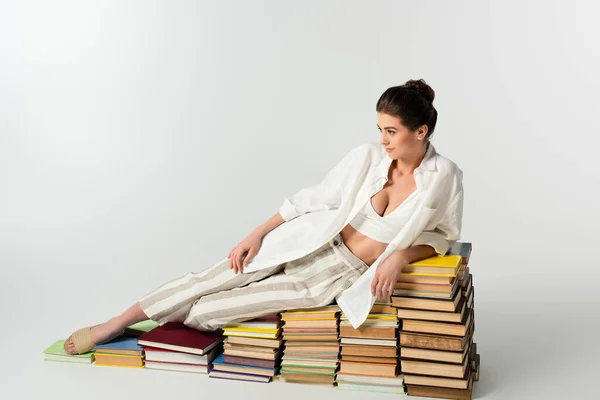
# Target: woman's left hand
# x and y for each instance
(386, 275)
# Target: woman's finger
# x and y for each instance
(374, 285)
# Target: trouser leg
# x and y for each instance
(173, 300)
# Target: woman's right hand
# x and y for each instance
(248, 247)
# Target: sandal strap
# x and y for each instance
(82, 339)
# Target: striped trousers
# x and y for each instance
(216, 296)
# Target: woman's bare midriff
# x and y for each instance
(362, 246)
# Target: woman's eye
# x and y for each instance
(391, 132)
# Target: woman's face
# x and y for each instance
(397, 138)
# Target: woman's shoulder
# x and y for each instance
(447, 166)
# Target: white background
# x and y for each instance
(140, 140)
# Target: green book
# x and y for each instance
(56, 352)
(141, 327)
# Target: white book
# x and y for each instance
(370, 342)
(371, 380)
(199, 369)
(370, 388)
(179, 357)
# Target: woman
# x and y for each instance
(381, 207)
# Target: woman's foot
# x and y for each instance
(107, 331)
(101, 333)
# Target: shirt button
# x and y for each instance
(335, 242)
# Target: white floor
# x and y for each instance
(531, 346)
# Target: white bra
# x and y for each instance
(384, 229)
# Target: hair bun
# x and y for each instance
(421, 87)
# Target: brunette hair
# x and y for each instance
(412, 103)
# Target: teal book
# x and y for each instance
(56, 352)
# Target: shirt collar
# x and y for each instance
(427, 164)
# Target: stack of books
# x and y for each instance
(434, 298)
(370, 352)
(312, 347)
(122, 351)
(177, 347)
(252, 350)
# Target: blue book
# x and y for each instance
(250, 369)
(120, 345)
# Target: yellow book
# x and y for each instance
(435, 266)
(310, 319)
(443, 275)
(118, 360)
(252, 334)
(439, 261)
(256, 330)
(371, 316)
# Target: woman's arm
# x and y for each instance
(273, 222)
(327, 194)
(447, 232)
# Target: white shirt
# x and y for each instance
(314, 215)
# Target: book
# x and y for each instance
(239, 376)
(431, 287)
(118, 360)
(254, 341)
(441, 393)
(141, 327)
(169, 356)
(56, 352)
(428, 304)
(177, 367)
(362, 387)
(427, 294)
(369, 332)
(368, 350)
(370, 323)
(456, 357)
(330, 323)
(254, 362)
(448, 266)
(427, 315)
(441, 328)
(435, 342)
(373, 380)
(434, 368)
(427, 380)
(367, 359)
(243, 347)
(251, 354)
(436, 279)
(178, 337)
(383, 309)
(219, 364)
(462, 249)
(370, 369)
(311, 337)
(373, 342)
(124, 345)
(261, 335)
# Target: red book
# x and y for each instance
(178, 337)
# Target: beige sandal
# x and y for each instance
(82, 339)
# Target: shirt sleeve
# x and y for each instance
(323, 196)
(447, 232)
